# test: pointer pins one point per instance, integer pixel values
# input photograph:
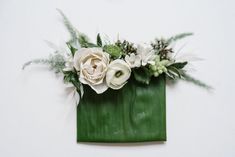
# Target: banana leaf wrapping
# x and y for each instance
(135, 113)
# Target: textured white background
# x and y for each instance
(38, 120)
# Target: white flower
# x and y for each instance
(73, 94)
(68, 63)
(118, 73)
(92, 63)
(133, 60)
(146, 54)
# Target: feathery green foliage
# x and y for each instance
(72, 30)
(35, 61)
(178, 37)
(197, 82)
(56, 62)
(84, 41)
(76, 36)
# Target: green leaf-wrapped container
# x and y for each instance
(135, 113)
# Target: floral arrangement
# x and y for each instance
(104, 65)
(119, 86)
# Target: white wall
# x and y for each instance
(36, 117)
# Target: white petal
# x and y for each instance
(99, 88)
(77, 56)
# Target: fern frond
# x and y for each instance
(56, 62)
(78, 39)
(197, 82)
(72, 30)
(178, 37)
(35, 61)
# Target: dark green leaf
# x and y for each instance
(174, 71)
(72, 77)
(90, 45)
(142, 75)
(179, 65)
(85, 42)
(99, 41)
(170, 75)
(135, 113)
(72, 49)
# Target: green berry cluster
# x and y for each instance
(159, 67)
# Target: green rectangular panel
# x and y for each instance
(135, 113)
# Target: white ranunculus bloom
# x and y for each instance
(92, 63)
(133, 60)
(146, 54)
(118, 73)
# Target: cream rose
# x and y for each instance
(118, 73)
(92, 63)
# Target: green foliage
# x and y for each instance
(162, 48)
(126, 47)
(35, 61)
(195, 81)
(178, 37)
(133, 113)
(72, 77)
(113, 50)
(99, 40)
(85, 42)
(72, 30)
(142, 75)
(75, 35)
(56, 62)
(179, 65)
(173, 72)
(72, 49)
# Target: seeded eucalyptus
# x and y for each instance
(126, 47)
(162, 48)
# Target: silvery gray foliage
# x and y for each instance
(197, 82)
(72, 30)
(55, 61)
(178, 37)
